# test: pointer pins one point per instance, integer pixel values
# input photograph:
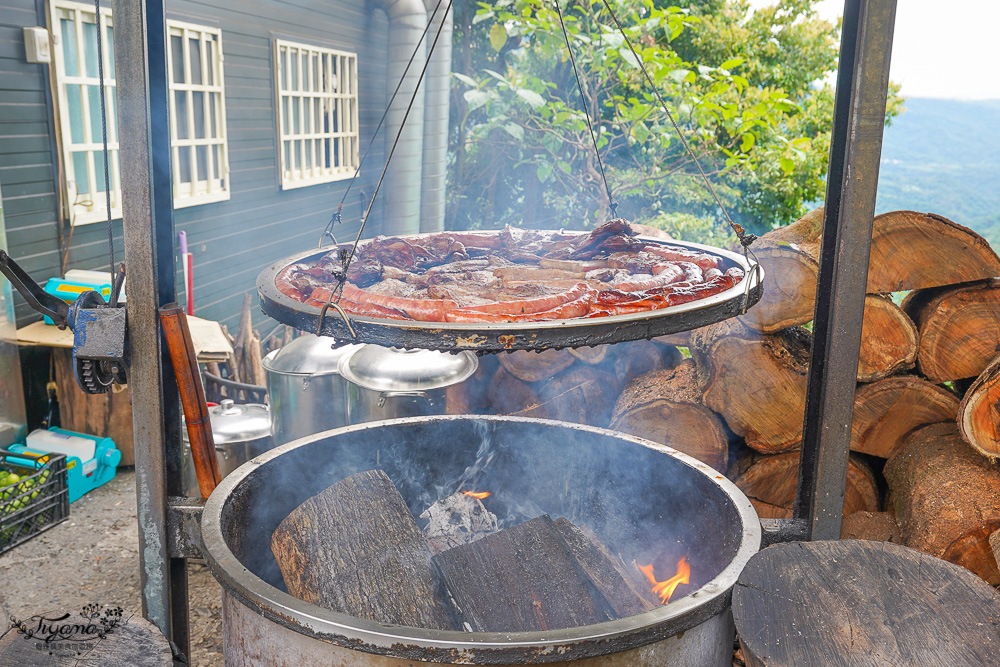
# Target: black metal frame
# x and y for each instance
(142, 88)
(852, 180)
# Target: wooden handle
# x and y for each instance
(199, 424)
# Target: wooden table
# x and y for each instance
(108, 415)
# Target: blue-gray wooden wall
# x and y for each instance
(232, 240)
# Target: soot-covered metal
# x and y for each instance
(501, 337)
(643, 500)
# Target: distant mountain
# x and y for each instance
(943, 156)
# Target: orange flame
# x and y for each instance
(477, 494)
(665, 589)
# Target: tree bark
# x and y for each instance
(887, 411)
(756, 382)
(944, 493)
(790, 259)
(979, 412)
(666, 407)
(959, 329)
(770, 483)
(346, 549)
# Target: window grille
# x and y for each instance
(200, 160)
(74, 33)
(317, 101)
(197, 115)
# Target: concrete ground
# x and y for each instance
(93, 557)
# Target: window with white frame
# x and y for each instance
(74, 29)
(317, 101)
(197, 114)
(200, 160)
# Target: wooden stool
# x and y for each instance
(137, 643)
(855, 602)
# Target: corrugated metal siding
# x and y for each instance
(232, 241)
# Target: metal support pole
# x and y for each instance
(855, 152)
(140, 67)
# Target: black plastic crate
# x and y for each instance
(34, 503)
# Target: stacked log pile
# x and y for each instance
(926, 430)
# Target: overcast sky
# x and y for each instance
(940, 49)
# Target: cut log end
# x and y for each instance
(756, 382)
(979, 412)
(887, 411)
(666, 407)
(770, 482)
(888, 340)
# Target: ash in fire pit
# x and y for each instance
(458, 519)
(355, 548)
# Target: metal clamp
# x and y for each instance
(774, 531)
(402, 394)
(184, 527)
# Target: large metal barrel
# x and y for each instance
(637, 496)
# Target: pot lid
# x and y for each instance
(308, 354)
(394, 369)
(239, 423)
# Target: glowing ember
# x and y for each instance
(665, 589)
(477, 494)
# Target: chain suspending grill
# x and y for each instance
(331, 319)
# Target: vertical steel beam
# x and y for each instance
(855, 152)
(140, 68)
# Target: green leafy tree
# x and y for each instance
(745, 89)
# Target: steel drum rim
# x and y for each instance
(446, 645)
(276, 304)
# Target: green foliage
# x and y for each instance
(741, 86)
(687, 227)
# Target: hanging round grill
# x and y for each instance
(503, 336)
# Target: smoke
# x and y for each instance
(642, 503)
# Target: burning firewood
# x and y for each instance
(529, 578)
(620, 586)
(458, 519)
(347, 548)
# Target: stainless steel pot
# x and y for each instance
(389, 382)
(240, 432)
(305, 389)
